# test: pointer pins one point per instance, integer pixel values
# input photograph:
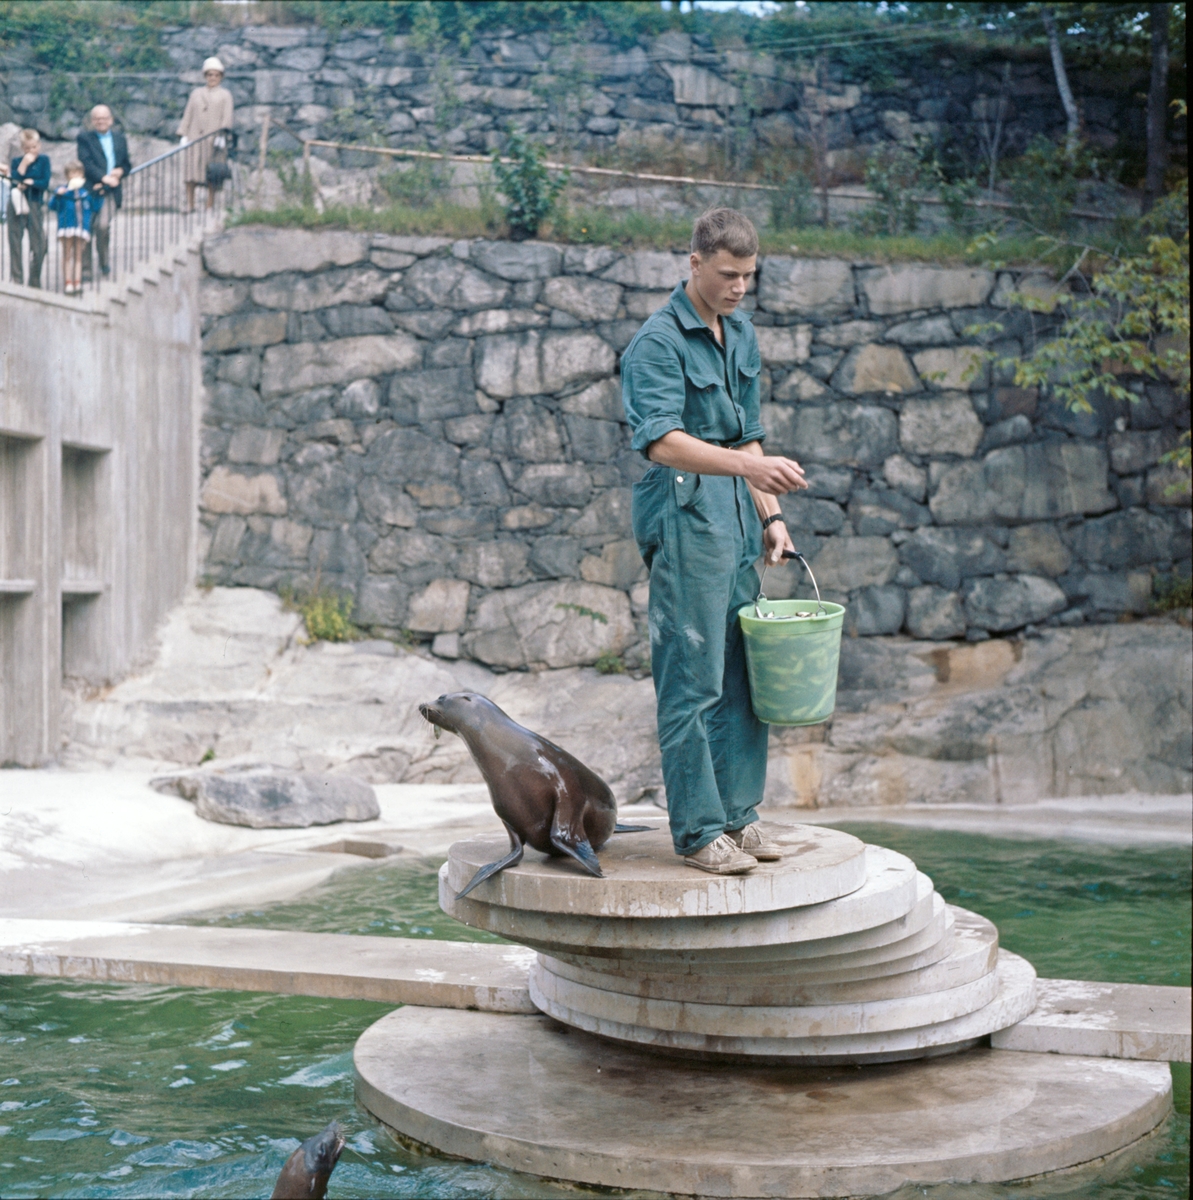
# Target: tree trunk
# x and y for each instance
(1157, 107)
(1073, 133)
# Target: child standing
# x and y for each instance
(75, 205)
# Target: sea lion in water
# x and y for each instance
(307, 1170)
(545, 797)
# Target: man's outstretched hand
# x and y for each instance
(775, 474)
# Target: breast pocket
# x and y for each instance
(706, 404)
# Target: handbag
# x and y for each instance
(218, 171)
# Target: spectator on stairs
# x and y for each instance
(75, 206)
(103, 151)
(208, 110)
(29, 175)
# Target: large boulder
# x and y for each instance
(871, 368)
(272, 799)
(253, 252)
(295, 367)
(944, 425)
(809, 287)
(1001, 604)
(550, 625)
(908, 287)
(532, 363)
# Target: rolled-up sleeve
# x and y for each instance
(652, 390)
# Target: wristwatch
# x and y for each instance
(772, 519)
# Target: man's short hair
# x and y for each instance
(29, 136)
(724, 229)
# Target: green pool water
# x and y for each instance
(138, 1091)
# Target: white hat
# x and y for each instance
(213, 64)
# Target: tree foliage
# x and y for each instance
(530, 192)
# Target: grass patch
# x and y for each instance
(1173, 592)
(636, 230)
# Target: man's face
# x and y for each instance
(722, 279)
(101, 118)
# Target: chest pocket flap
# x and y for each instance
(750, 370)
(703, 378)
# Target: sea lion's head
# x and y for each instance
(307, 1170)
(457, 711)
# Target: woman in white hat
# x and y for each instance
(207, 111)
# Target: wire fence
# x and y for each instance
(159, 205)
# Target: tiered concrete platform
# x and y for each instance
(819, 1027)
(839, 952)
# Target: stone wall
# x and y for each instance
(436, 427)
(674, 92)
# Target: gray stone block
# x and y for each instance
(483, 483)
(601, 400)
(237, 405)
(1007, 433)
(584, 299)
(941, 425)
(441, 607)
(461, 521)
(833, 483)
(556, 484)
(911, 480)
(934, 614)
(1125, 539)
(356, 320)
(565, 624)
(593, 441)
(518, 260)
(998, 605)
(336, 553)
(806, 512)
(654, 270)
(381, 601)
(386, 503)
(556, 557)
(360, 400)
(607, 516)
(800, 386)
(495, 320)
(847, 334)
(536, 363)
(450, 283)
(415, 548)
(587, 260)
(493, 564)
(473, 430)
(846, 564)
(436, 395)
(294, 368)
(245, 329)
(876, 610)
(1024, 483)
(527, 432)
(844, 434)
(407, 455)
(254, 251)
(872, 368)
(1136, 450)
(273, 799)
(953, 368)
(879, 511)
(618, 565)
(927, 331)
(947, 556)
(308, 293)
(252, 444)
(1037, 550)
(809, 287)
(907, 287)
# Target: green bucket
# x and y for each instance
(793, 650)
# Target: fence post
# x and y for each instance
(261, 156)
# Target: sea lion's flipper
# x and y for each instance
(512, 859)
(619, 828)
(582, 852)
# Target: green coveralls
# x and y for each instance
(699, 536)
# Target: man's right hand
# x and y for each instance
(775, 474)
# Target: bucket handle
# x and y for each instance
(821, 611)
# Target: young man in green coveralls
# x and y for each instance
(702, 514)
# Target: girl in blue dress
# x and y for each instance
(75, 207)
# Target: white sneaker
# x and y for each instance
(753, 841)
(721, 857)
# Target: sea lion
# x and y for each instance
(307, 1170)
(545, 797)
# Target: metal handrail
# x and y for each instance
(157, 213)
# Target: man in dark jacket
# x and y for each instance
(103, 151)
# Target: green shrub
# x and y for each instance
(609, 664)
(530, 192)
(894, 174)
(325, 613)
(1043, 183)
(1172, 592)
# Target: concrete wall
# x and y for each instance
(98, 448)
(436, 427)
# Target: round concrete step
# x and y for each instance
(529, 1095)
(890, 892)
(644, 878)
(973, 954)
(1012, 998)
